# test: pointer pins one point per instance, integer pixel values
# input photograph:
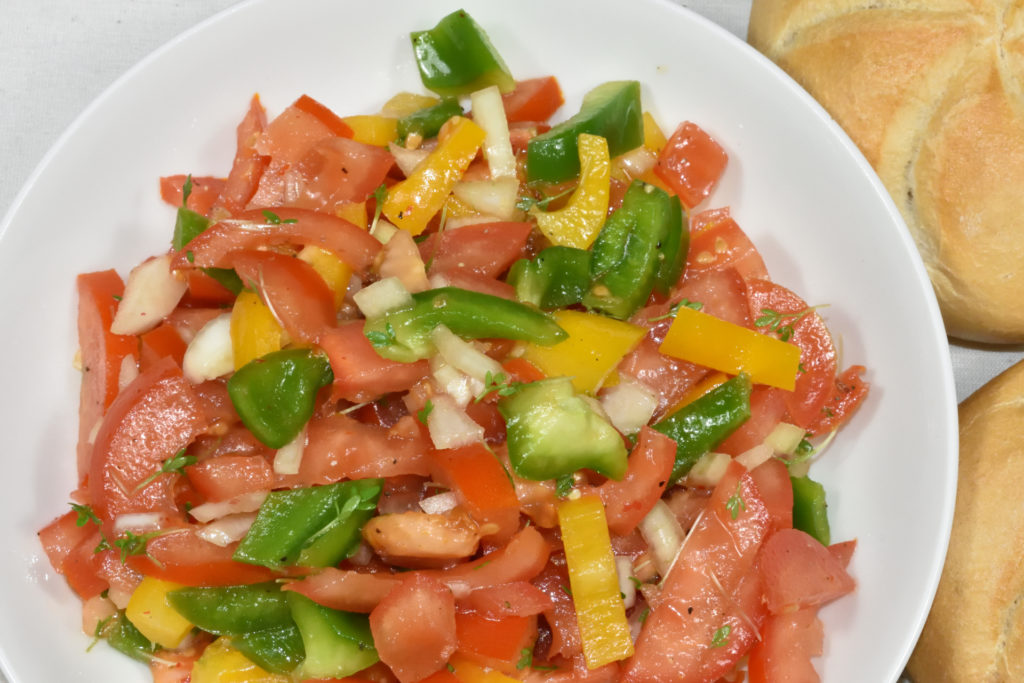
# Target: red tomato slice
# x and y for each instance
(535, 99)
(481, 486)
(788, 641)
(487, 249)
(249, 165)
(299, 298)
(153, 418)
(182, 557)
(103, 354)
(360, 373)
(767, 406)
(672, 376)
(479, 283)
(843, 552)
(705, 619)
(849, 391)
(561, 616)
(83, 565)
(163, 341)
(723, 244)
(205, 191)
(816, 381)
(211, 248)
(800, 572)
(203, 290)
(60, 537)
(628, 501)
(720, 292)
(776, 490)
(495, 643)
(414, 627)
(304, 123)
(691, 163)
(230, 475)
(707, 218)
(334, 171)
(516, 598)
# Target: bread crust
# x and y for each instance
(931, 92)
(975, 631)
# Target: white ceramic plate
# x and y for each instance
(821, 219)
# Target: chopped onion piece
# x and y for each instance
(401, 258)
(407, 159)
(496, 197)
(629, 405)
(663, 534)
(636, 162)
(439, 503)
(708, 470)
(489, 114)
(458, 385)
(438, 280)
(755, 456)
(137, 521)
(151, 293)
(382, 296)
(785, 438)
(462, 355)
(450, 426)
(474, 219)
(129, 371)
(209, 355)
(383, 231)
(227, 530)
(624, 568)
(288, 458)
(247, 502)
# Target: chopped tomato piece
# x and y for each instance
(788, 641)
(203, 290)
(767, 406)
(799, 572)
(561, 617)
(230, 475)
(516, 598)
(522, 370)
(335, 171)
(183, 557)
(205, 191)
(481, 486)
(487, 249)
(249, 165)
(628, 501)
(535, 99)
(497, 643)
(723, 244)
(691, 163)
(843, 551)
(776, 490)
(414, 627)
(163, 341)
(849, 391)
(304, 123)
(360, 373)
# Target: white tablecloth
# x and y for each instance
(57, 55)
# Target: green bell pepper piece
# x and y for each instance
(810, 511)
(427, 122)
(317, 526)
(278, 650)
(276, 393)
(337, 643)
(555, 278)
(403, 334)
(122, 635)
(703, 424)
(187, 225)
(553, 432)
(456, 57)
(611, 110)
(639, 243)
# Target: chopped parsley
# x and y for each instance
(85, 515)
(274, 219)
(721, 637)
(172, 465)
(735, 503)
(385, 338)
(497, 383)
(781, 324)
(424, 413)
(564, 485)
(695, 305)
(186, 190)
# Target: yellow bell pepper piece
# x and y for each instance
(604, 630)
(654, 139)
(151, 613)
(413, 202)
(373, 129)
(468, 671)
(577, 223)
(354, 213)
(405, 103)
(221, 663)
(720, 345)
(255, 331)
(595, 346)
(332, 269)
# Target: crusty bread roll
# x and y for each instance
(932, 91)
(975, 631)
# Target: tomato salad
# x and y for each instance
(451, 392)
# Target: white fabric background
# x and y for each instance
(57, 55)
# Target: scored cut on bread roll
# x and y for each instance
(975, 630)
(932, 92)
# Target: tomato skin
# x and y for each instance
(183, 557)
(849, 392)
(203, 290)
(487, 249)
(163, 341)
(360, 373)
(333, 171)
(800, 572)
(60, 536)
(516, 598)
(226, 476)
(205, 191)
(691, 163)
(776, 490)
(294, 291)
(248, 165)
(496, 643)
(628, 501)
(481, 486)
(153, 418)
(788, 641)
(535, 99)
(71, 551)
(723, 244)
(301, 125)
(102, 355)
(815, 383)
(414, 627)
(561, 616)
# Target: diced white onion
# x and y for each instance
(629, 405)
(624, 568)
(495, 197)
(785, 438)
(438, 280)
(489, 114)
(752, 457)
(407, 159)
(128, 372)
(458, 385)
(401, 258)
(637, 161)
(383, 231)
(663, 534)
(380, 297)
(473, 219)
(462, 355)
(708, 470)
(247, 502)
(439, 503)
(210, 355)
(137, 521)
(152, 292)
(450, 426)
(227, 530)
(288, 458)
